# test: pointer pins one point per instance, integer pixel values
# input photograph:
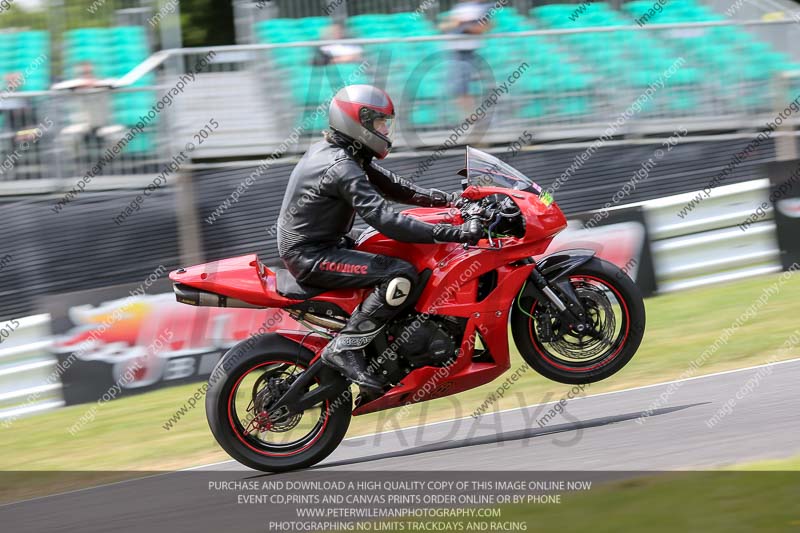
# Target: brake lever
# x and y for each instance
(492, 248)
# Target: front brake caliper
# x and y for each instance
(544, 319)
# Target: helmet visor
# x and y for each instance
(378, 122)
(385, 126)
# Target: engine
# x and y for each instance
(426, 342)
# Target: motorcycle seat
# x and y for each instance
(289, 287)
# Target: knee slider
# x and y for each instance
(397, 291)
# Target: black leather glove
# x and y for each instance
(440, 198)
(469, 232)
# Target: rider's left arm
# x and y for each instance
(398, 189)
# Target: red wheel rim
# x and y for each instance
(236, 428)
(605, 359)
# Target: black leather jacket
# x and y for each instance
(331, 183)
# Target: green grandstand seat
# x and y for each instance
(425, 115)
(430, 86)
(113, 52)
(535, 83)
(26, 52)
(142, 143)
(535, 108)
(637, 6)
(300, 79)
(312, 122)
(277, 23)
(85, 35)
(318, 87)
(683, 94)
(553, 11)
(281, 36)
(32, 40)
(557, 82)
(316, 22)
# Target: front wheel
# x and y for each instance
(239, 414)
(615, 316)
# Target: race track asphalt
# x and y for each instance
(654, 428)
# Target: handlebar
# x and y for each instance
(497, 214)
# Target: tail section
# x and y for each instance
(236, 282)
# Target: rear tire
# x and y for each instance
(598, 281)
(222, 413)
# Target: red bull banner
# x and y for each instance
(143, 342)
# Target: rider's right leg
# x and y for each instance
(394, 280)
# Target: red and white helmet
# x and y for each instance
(365, 114)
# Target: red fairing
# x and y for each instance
(542, 221)
(452, 290)
(487, 319)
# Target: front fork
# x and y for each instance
(568, 305)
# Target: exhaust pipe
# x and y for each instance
(191, 296)
(330, 323)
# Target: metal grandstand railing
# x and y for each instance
(59, 134)
(314, 8)
(589, 99)
(248, 88)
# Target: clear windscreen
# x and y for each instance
(484, 170)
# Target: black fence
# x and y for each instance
(81, 247)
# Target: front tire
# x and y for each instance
(258, 442)
(617, 314)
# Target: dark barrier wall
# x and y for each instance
(44, 252)
(81, 247)
(688, 167)
(785, 199)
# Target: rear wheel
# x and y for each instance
(615, 316)
(239, 414)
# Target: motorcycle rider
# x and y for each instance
(334, 180)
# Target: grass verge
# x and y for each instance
(129, 434)
(756, 497)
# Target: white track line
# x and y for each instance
(642, 387)
(74, 491)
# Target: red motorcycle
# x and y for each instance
(274, 406)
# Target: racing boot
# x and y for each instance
(345, 353)
(352, 365)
